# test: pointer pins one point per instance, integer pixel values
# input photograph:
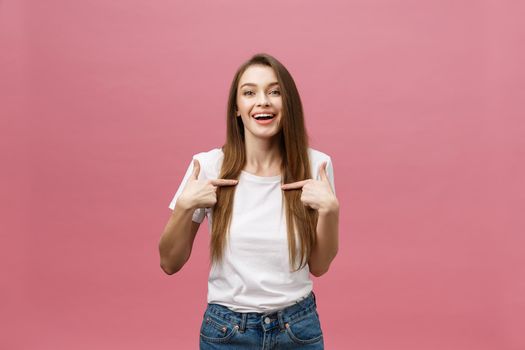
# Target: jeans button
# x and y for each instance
(267, 320)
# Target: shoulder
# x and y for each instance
(316, 156)
(210, 160)
(212, 154)
(316, 159)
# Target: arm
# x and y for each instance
(327, 244)
(177, 239)
(320, 195)
(188, 204)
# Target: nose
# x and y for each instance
(262, 100)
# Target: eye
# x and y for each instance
(247, 92)
(277, 91)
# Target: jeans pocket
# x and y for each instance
(216, 330)
(305, 329)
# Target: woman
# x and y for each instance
(256, 191)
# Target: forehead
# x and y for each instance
(258, 75)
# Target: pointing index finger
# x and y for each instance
(294, 185)
(224, 182)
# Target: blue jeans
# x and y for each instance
(294, 327)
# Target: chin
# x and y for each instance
(265, 135)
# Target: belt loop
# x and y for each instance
(280, 319)
(243, 322)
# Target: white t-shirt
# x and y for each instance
(255, 274)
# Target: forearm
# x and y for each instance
(327, 243)
(175, 243)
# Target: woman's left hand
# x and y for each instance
(316, 194)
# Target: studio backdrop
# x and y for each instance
(420, 105)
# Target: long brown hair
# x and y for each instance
(295, 166)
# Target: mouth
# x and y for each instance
(263, 116)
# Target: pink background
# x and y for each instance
(419, 103)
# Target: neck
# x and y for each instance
(263, 156)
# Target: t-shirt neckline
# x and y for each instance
(257, 178)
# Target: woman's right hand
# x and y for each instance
(201, 194)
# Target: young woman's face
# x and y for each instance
(258, 92)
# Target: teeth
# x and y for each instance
(263, 115)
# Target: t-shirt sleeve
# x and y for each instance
(199, 213)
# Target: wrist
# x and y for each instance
(183, 204)
(329, 209)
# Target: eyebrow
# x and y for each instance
(252, 84)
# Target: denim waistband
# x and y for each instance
(267, 320)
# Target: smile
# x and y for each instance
(263, 116)
(264, 119)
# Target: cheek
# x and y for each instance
(243, 106)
